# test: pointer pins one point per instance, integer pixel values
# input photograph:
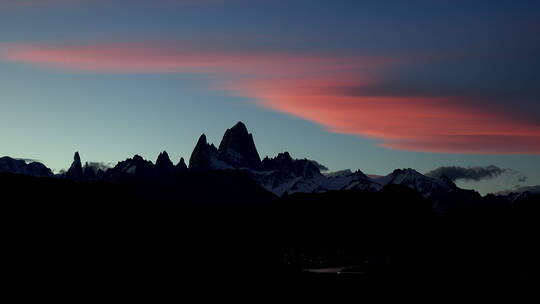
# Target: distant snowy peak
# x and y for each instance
(415, 180)
(348, 180)
(283, 174)
(442, 192)
(519, 193)
(409, 177)
(356, 180)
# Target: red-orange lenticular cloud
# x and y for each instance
(308, 86)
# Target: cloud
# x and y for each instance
(29, 160)
(522, 178)
(345, 93)
(470, 173)
(152, 57)
(96, 166)
(321, 167)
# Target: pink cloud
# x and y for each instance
(307, 86)
(158, 58)
(426, 124)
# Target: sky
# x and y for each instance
(370, 85)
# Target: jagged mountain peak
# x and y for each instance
(240, 126)
(77, 158)
(163, 160)
(75, 171)
(436, 189)
(358, 173)
(284, 155)
(202, 140)
(237, 148)
(409, 176)
(164, 166)
(136, 166)
(204, 156)
(287, 167)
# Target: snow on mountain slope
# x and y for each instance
(519, 193)
(411, 178)
(281, 175)
(312, 181)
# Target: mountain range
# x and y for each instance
(228, 211)
(282, 175)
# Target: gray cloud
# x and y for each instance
(28, 160)
(318, 165)
(469, 173)
(522, 178)
(96, 166)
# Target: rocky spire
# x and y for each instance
(75, 172)
(203, 155)
(237, 148)
(77, 158)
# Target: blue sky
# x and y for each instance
(370, 85)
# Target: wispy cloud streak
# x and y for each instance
(314, 87)
(471, 173)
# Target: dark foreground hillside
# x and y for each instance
(220, 224)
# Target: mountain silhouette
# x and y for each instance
(75, 171)
(237, 148)
(281, 175)
(231, 213)
(204, 155)
(8, 164)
